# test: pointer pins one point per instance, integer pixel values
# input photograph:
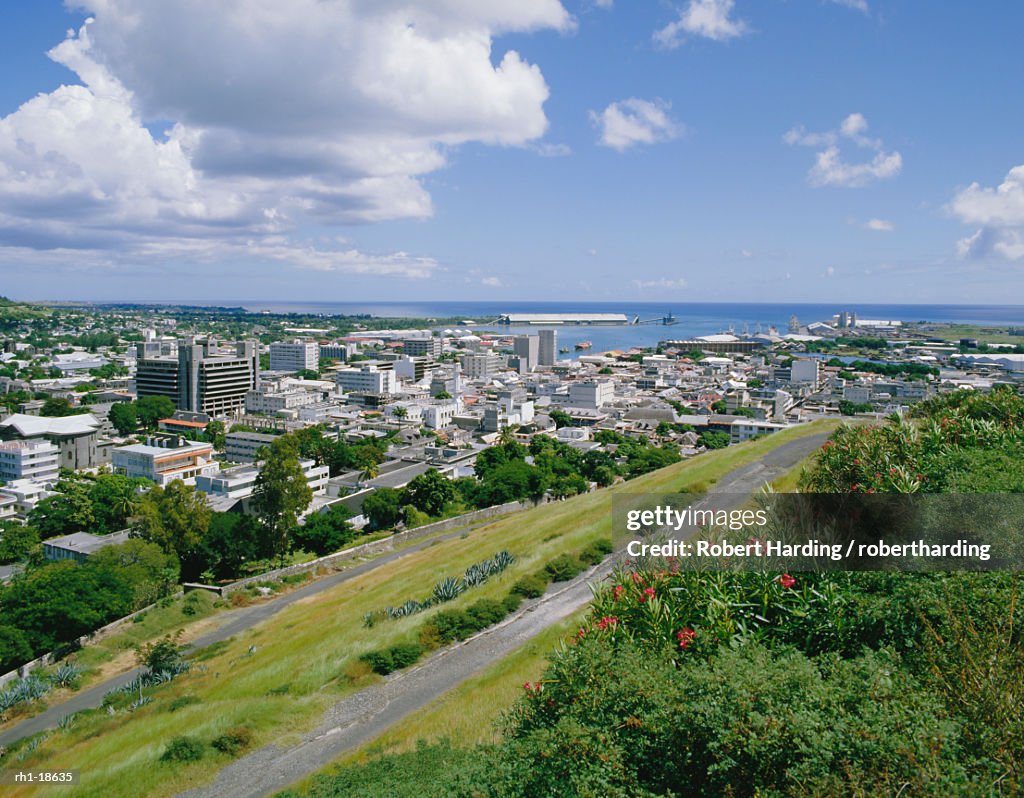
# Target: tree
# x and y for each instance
(400, 412)
(65, 513)
(163, 655)
(307, 374)
(176, 518)
(14, 648)
(430, 492)
(714, 439)
(150, 409)
(62, 601)
(511, 481)
(281, 493)
(115, 499)
(326, 532)
(231, 541)
(561, 418)
(216, 434)
(442, 395)
(124, 418)
(59, 406)
(383, 508)
(16, 541)
(151, 572)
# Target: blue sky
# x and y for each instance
(754, 150)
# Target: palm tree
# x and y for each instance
(507, 435)
(370, 471)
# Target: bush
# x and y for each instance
(531, 586)
(451, 625)
(233, 740)
(183, 749)
(386, 660)
(511, 602)
(485, 612)
(596, 551)
(563, 568)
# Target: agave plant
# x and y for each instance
(502, 560)
(29, 689)
(66, 674)
(67, 723)
(448, 588)
(476, 575)
(139, 702)
(7, 700)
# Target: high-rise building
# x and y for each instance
(481, 365)
(547, 352)
(294, 356)
(527, 348)
(201, 379)
(419, 347)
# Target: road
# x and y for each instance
(233, 622)
(361, 717)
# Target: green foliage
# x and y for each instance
(232, 541)
(233, 741)
(184, 749)
(561, 418)
(596, 551)
(281, 494)
(431, 492)
(848, 408)
(67, 512)
(14, 648)
(59, 406)
(563, 568)
(324, 532)
(177, 519)
(531, 586)
(16, 541)
(383, 508)
(713, 439)
(150, 409)
(163, 655)
(396, 657)
(151, 572)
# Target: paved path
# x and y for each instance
(232, 622)
(362, 717)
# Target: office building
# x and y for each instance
(547, 347)
(591, 394)
(294, 356)
(805, 371)
(201, 379)
(482, 365)
(422, 347)
(527, 348)
(367, 379)
(239, 482)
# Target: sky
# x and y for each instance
(590, 150)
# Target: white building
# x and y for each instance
(367, 379)
(747, 429)
(240, 482)
(547, 352)
(591, 394)
(805, 371)
(164, 460)
(482, 365)
(27, 493)
(440, 414)
(294, 356)
(272, 402)
(241, 447)
(37, 460)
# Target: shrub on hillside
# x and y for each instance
(532, 586)
(563, 568)
(596, 551)
(233, 741)
(183, 749)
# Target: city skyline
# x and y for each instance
(710, 150)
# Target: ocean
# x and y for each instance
(694, 318)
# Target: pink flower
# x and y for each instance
(685, 637)
(607, 622)
(787, 581)
(637, 579)
(649, 592)
(617, 591)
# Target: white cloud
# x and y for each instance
(492, 282)
(707, 18)
(746, 253)
(879, 225)
(664, 283)
(626, 123)
(284, 116)
(998, 213)
(830, 169)
(856, 5)
(830, 271)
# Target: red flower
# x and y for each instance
(649, 591)
(637, 579)
(787, 581)
(608, 621)
(685, 637)
(617, 591)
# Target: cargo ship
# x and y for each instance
(583, 345)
